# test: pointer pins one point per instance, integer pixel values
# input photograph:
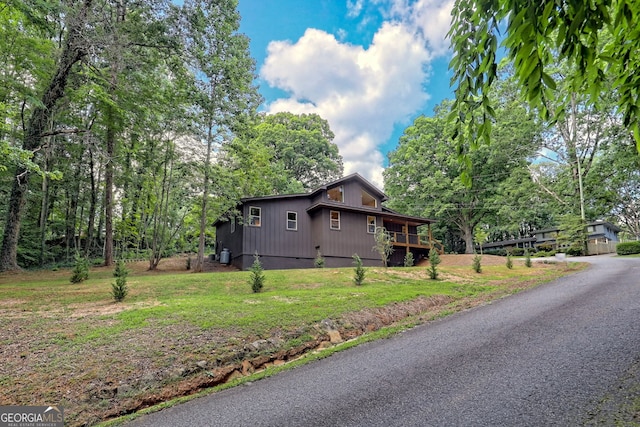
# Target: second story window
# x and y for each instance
(255, 216)
(335, 220)
(368, 200)
(292, 220)
(336, 194)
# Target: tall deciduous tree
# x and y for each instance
(225, 71)
(424, 175)
(302, 146)
(74, 49)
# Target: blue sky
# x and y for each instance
(367, 66)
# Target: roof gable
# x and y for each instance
(372, 189)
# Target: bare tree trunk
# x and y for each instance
(205, 196)
(111, 145)
(74, 50)
(92, 206)
(108, 197)
(467, 235)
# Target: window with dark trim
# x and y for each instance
(292, 220)
(255, 216)
(371, 224)
(335, 220)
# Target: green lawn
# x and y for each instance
(71, 345)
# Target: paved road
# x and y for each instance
(542, 357)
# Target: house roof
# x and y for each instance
(599, 222)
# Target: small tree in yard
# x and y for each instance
(480, 237)
(477, 263)
(80, 271)
(384, 245)
(257, 275)
(359, 271)
(434, 260)
(319, 261)
(509, 262)
(119, 289)
(527, 259)
(408, 259)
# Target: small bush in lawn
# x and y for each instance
(434, 260)
(477, 264)
(628, 248)
(527, 259)
(359, 271)
(408, 259)
(509, 262)
(119, 289)
(319, 261)
(80, 271)
(257, 276)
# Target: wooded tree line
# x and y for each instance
(529, 177)
(127, 127)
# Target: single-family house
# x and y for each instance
(597, 231)
(335, 221)
(602, 238)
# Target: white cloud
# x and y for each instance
(431, 18)
(362, 92)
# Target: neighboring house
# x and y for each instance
(598, 232)
(602, 237)
(336, 221)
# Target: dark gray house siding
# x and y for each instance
(280, 248)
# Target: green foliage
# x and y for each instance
(301, 149)
(527, 259)
(480, 237)
(319, 261)
(384, 245)
(477, 264)
(434, 260)
(257, 278)
(424, 176)
(359, 271)
(80, 271)
(628, 248)
(591, 37)
(408, 259)
(509, 263)
(573, 233)
(119, 289)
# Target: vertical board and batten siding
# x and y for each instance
(353, 195)
(338, 246)
(272, 240)
(225, 239)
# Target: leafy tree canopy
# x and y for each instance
(596, 38)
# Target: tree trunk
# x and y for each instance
(108, 196)
(92, 207)
(74, 50)
(467, 235)
(205, 196)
